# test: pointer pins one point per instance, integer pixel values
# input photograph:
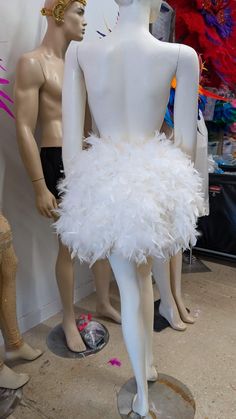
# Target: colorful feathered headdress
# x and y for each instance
(209, 26)
(4, 98)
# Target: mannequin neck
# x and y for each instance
(55, 40)
(137, 16)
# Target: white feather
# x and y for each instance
(137, 199)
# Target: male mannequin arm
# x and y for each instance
(186, 101)
(29, 79)
(73, 107)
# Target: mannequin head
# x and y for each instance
(155, 6)
(68, 15)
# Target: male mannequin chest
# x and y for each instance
(51, 91)
(50, 97)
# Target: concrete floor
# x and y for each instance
(203, 357)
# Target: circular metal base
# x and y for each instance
(9, 400)
(168, 398)
(56, 342)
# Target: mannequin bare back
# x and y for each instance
(130, 72)
(143, 77)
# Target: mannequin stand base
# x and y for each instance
(168, 398)
(9, 400)
(193, 265)
(160, 323)
(56, 343)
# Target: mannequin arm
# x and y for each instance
(73, 107)
(186, 101)
(88, 122)
(29, 79)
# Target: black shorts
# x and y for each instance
(52, 164)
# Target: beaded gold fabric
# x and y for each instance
(8, 266)
(5, 234)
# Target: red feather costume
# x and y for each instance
(209, 26)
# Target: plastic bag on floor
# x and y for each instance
(94, 335)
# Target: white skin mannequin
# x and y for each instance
(38, 96)
(111, 70)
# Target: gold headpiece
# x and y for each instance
(57, 12)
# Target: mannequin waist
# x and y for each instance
(50, 133)
(131, 140)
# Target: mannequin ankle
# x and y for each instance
(14, 346)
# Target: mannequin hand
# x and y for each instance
(46, 203)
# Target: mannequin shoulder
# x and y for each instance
(165, 54)
(29, 71)
(88, 49)
(188, 58)
(75, 54)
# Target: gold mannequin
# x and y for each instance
(15, 347)
(38, 97)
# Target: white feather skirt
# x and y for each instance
(138, 200)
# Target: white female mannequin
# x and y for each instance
(127, 76)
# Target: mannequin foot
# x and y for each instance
(171, 314)
(140, 407)
(150, 415)
(106, 310)
(11, 380)
(73, 339)
(152, 374)
(185, 316)
(25, 352)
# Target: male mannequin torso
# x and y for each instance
(38, 99)
(52, 69)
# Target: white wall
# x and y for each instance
(21, 30)
(100, 15)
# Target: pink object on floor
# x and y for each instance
(114, 362)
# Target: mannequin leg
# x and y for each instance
(133, 325)
(146, 289)
(168, 308)
(176, 277)
(65, 282)
(14, 345)
(102, 275)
